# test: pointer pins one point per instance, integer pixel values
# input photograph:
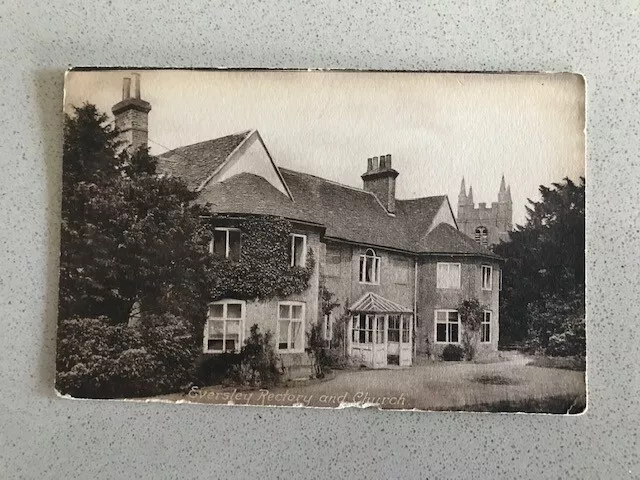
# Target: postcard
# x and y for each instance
(395, 240)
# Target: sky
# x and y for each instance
(438, 127)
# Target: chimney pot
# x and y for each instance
(369, 164)
(126, 88)
(388, 160)
(136, 85)
(383, 161)
(375, 163)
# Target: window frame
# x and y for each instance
(486, 322)
(438, 280)
(291, 320)
(224, 319)
(227, 249)
(499, 279)
(303, 262)
(490, 278)
(436, 323)
(364, 259)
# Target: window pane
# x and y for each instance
(452, 316)
(283, 334)
(441, 332)
(233, 327)
(368, 270)
(284, 311)
(214, 344)
(220, 242)
(234, 310)
(440, 274)
(216, 328)
(362, 337)
(298, 251)
(296, 311)
(234, 245)
(216, 310)
(455, 276)
(296, 335)
(453, 332)
(441, 316)
(376, 270)
(362, 269)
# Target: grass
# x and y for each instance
(577, 364)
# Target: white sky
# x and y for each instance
(438, 127)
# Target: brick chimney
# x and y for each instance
(131, 116)
(380, 179)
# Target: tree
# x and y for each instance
(545, 258)
(471, 312)
(129, 237)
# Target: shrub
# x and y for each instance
(97, 359)
(453, 353)
(317, 351)
(258, 363)
(213, 369)
(471, 312)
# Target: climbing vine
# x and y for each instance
(264, 269)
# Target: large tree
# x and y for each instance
(545, 262)
(130, 239)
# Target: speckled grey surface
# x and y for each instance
(43, 436)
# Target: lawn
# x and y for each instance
(505, 386)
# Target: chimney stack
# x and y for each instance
(132, 116)
(380, 179)
(126, 88)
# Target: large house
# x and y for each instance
(399, 268)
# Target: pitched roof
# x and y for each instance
(195, 163)
(446, 239)
(373, 303)
(347, 213)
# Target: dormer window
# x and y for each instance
(298, 250)
(370, 267)
(226, 243)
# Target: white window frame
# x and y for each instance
(291, 321)
(486, 320)
(440, 281)
(362, 265)
(225, 319)
(303, 263)
(227, 250)
(436, 323)
(490, 278)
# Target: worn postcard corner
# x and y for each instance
(334, 239)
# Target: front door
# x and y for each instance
(406, 334)
(379, 342)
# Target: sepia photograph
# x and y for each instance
(332, 239)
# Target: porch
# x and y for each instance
(380, 332)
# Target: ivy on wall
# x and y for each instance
(264, 270)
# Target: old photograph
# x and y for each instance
(393, 240)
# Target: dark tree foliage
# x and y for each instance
(545, 262)
(128, 236)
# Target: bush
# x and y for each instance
(557, 325)
(255, 366)
(452, 353)
(97, 359)
(213, 369)
(259, 363)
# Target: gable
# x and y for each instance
(251, 157)
(443, 215)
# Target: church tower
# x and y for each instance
(486, 225)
